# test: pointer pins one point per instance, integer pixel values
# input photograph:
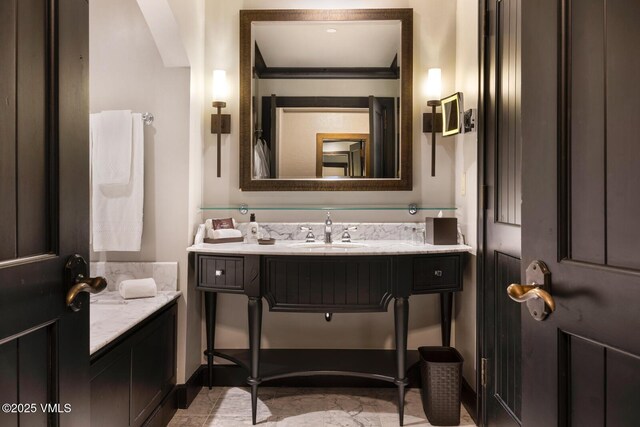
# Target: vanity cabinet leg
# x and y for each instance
(446, 308)
(255, 330)
(401, 312)
(210, 299)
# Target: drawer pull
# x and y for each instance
(437, 273)
(219, 273)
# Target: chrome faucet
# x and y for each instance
(327, 229)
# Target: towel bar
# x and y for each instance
(147, 118)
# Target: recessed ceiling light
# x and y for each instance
(331, 30)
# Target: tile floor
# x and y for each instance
(302, 407)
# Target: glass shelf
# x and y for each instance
(411, 208)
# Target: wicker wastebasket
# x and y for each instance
(441, 372)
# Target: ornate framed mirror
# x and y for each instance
(308, 73)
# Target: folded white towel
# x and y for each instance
(111, 132)
(138, 288)
(224, 233)
(116, 210)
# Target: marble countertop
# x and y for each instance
(284, 247)
(111, 315)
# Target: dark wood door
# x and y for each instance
(44, 210)
(581, 204)
(376, 136)
(500, 376)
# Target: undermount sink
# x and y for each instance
(333, 245)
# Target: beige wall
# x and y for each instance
(434, 46)
(297, 137)
(466, 188)
(127, 72)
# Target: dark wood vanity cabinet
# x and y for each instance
(131, 377)
(319, 283)
(327, 283)
(330, 283)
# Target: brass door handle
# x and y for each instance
(92, 285)
(535, 293)
(522, 293)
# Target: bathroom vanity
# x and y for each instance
(326, 278)
(133, 359)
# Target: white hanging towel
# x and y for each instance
(261, 159)
(112, 138)
(116, 209)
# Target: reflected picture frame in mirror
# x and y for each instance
(401, 179)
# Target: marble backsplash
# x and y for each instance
(164, 273)
(365, 231)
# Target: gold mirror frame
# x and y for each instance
(405, 181)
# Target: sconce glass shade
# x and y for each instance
(219, 85)
(434, 84)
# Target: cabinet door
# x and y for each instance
(110, 393)
(327, 284)
(153, 366)
(436, 274)
(221, 273)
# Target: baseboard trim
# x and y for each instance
(185, 393)
(470, 400)
(165, 411)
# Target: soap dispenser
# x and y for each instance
(252, 234)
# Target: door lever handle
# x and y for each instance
(92, 285)
(535, 293)
(75, 270)
(523, 293)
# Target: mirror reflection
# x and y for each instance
(326, 99)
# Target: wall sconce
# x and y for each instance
(220, 123)
(431, 122)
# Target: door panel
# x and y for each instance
(508, 353)
(501, 400)
(622, 65)
(8, 10)
(33, 150)
(587, 162)
(509, 142)
(603, 166)
(598, 383)
(35, 355)
(9, 380)
(581, 366)
(26, 364)
(44, 346)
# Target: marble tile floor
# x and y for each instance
(304, 407)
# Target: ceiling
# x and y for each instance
(308, 44)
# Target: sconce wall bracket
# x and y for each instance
(222, 119)
(428, 124)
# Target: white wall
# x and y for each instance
(190, 18)
(127, 72)
(434, 46)
(466, 171)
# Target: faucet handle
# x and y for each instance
(310, 237)
(346, 237)
(328, 220)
